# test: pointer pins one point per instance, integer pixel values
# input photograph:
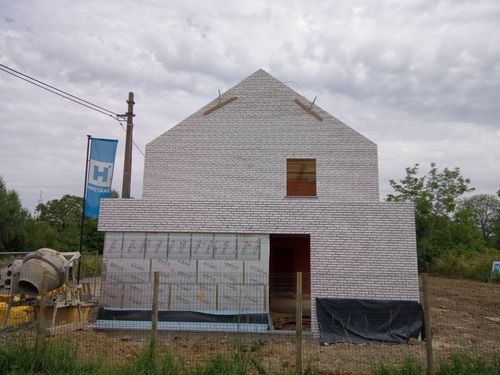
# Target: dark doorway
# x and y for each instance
(289, 254)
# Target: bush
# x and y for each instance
(467, 265)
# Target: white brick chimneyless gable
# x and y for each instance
(225, 172)
(239, 151)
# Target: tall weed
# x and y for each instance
(410, 366)
(464, 364)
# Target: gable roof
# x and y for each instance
(260, 97)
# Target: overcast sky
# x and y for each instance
(419, 78)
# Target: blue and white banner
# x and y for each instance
(100, 173)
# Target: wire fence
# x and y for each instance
(272, 319)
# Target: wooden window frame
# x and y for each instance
(301, 187)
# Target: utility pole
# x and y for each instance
(127, 164)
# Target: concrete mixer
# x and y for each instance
(26, 276)
(47, 275)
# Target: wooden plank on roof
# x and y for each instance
(220, 105)
(308, 109)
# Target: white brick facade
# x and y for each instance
(358, 250)
(226, 173)
(240, 150)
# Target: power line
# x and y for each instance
(55, 88)
(56, 93)
(66, 95)
(135, 144)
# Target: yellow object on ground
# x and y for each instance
(17, 314)
(63, 315)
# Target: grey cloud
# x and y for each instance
(420, 78)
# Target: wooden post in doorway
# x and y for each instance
(298, 325)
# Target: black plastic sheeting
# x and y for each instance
(180, 316)
(362, 321)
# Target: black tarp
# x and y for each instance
(363, 321)
(180, 316)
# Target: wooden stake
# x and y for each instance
(154, 313)
(96, 267)
(298, 325)
(428, 326)
(40, 326)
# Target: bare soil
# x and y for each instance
(463, 319)
(461, 312)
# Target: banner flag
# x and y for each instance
(100, 173)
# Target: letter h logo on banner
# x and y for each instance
(100, 173)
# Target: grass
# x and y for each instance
(463, 364)
(409, 366)
(59, 358)
(473, 266)
(458, 364)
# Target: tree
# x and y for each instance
(436, 193)
(65, 215)
(436, 196)
(484, 211)
(55, 225)
(12, 219)
(40, 234)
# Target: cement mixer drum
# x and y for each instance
(35, 265)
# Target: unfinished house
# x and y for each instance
(254, 187)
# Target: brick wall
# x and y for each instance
(240, 150)
(358, 250)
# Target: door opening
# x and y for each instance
(289, 254)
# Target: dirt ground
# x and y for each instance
(465, 314)
(465, 317)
